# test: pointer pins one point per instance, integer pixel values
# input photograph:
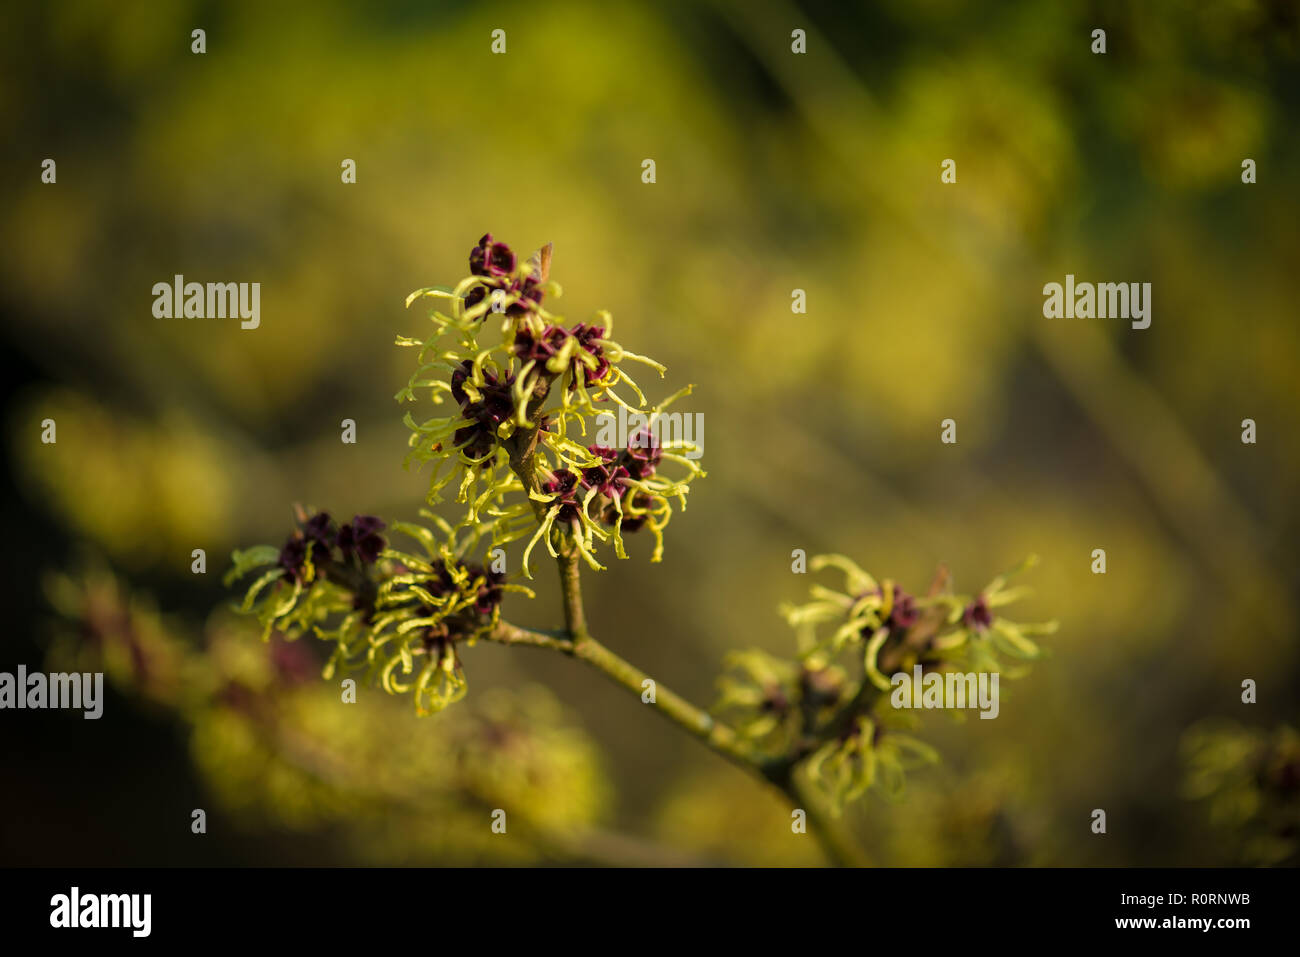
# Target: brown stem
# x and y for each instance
(575, 617)
(671, 705)
(838, 846)
(508, 634)
(835, 840)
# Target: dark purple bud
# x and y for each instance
(494, 405)
(490, 590)
(607, 478)
(589, 336)
(643, 454)
(977, 616)
(478, 256)
(589, 340)
(904, 612)
(458, 377)
(475, 296)
(362, 538)
(489, 258)
(529, 291)
(294, 555)
(529, 346)
(320, 530)
(565, 485)
(500, 260)
(562, 482)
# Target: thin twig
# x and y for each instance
(578, 642)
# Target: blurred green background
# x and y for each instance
(775, 171)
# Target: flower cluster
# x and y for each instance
(890, 630)
(489, 406)
(320, 545)
(526, 392)
(109, 628)
(501, 286)
(776, 698)
(385, 610)
(829, 707)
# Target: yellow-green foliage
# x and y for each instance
(1249, 781)
(831, 705)
(701, 812)
(277, 747)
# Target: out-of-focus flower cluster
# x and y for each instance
(1249, 780)
(158, 486)
(395, 616)
(278, 747)
(527, 389)
(828, 709)
(104, 627)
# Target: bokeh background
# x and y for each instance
(775, 171)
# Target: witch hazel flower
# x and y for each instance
(528, 391)
(361, 539)
(606, 476)
(485, 408)
(643, 455)
(589, 365)
(565, 506)
(867, 756)
(758, 692)
(320, 545)
(491, 259)
(525, 392)
(621, 490)
(564, 487)
(987, 632)
(836, 719)
(881, 619)
(399, 617)
(501, 286)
